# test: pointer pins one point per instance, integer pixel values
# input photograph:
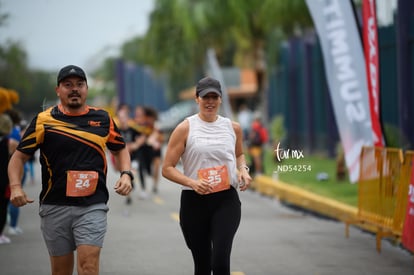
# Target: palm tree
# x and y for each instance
(181, 31)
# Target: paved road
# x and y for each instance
(144, 238)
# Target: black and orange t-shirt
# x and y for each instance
(71, 143)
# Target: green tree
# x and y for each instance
(13, 66)
(243, 33)
(172, 41)
(251, 25)
(35, 87)
(181, 31)
(104, 78)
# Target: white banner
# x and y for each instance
(215, 71)
(341, 45)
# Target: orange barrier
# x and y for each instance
(383, 191)
(402, 199)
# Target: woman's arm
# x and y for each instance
(244, 177)
(175, 148)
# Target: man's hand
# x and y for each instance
(123, 186)
(18, 197)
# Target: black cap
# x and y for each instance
(70, 70)
(208, 85)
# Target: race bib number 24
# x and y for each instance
(81, 183)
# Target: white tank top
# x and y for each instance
(210, 144)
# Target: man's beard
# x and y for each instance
(75, 104)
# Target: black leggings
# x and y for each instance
(3, 212)
(209, 223)
(144, 157)
(144, 167)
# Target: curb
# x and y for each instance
(305, 199)
(310, 201)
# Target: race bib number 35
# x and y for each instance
(217, 176)
(81, 183)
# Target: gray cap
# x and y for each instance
(208, 85)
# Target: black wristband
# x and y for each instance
(129, 173)
(245, 167)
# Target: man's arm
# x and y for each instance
(15, 171)
(123, 160)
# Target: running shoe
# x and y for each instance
(15, 230)
(4, 239)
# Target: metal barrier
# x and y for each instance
(382, 191)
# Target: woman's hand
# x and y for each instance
(244, 179)
(202, 187)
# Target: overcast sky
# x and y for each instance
(55, 33)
